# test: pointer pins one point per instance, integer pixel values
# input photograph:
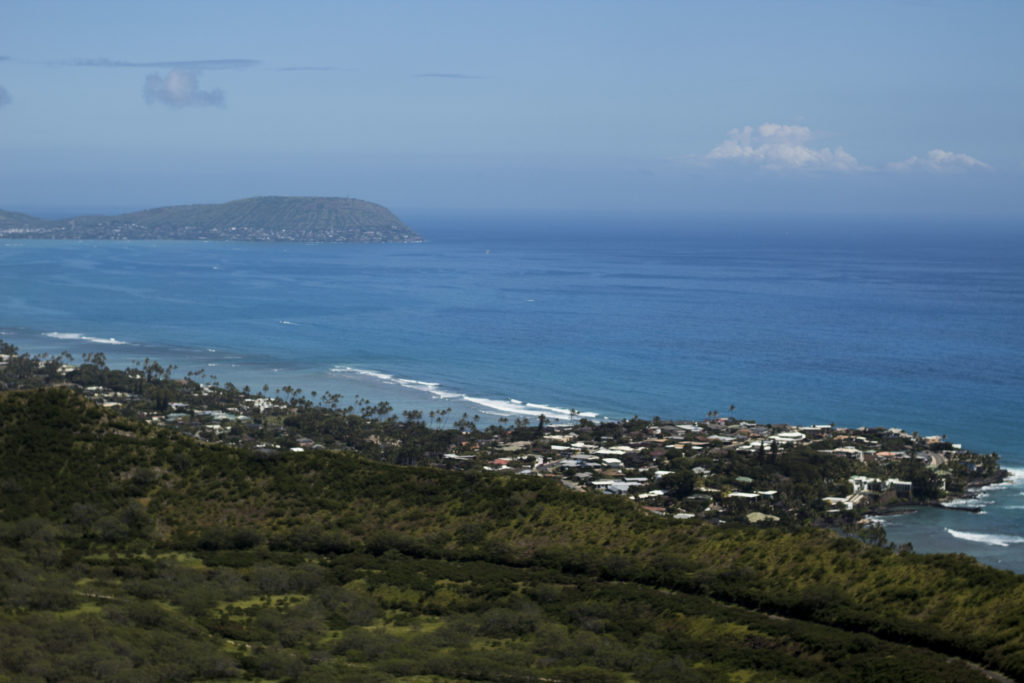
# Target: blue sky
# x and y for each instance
(776, 106)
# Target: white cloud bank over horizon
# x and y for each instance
(180, 88)
(778, 147)
(939, 161)
(189, 64)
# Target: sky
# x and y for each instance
(773, 107)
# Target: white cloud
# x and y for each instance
(192, 64)
(938, 161)
(778, 146)
(180, 88)
(783, 132)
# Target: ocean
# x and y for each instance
(907, 325)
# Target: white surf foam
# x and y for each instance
(358, 371)
(433, 388)
(980, 501)
(1000, 540)
(1014, 481)
(500, 407)
(512, 407)
(75, 336)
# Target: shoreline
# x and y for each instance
(622, 461)
(992, 535)
(230, 365)
(371, 383)
(974, 491)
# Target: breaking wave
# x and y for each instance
(491, 406)
(982, 496)
(1000, 540)
(980, 501)
(512, 407)
(75, 336)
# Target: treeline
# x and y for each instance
(802, 475)
(131, 552)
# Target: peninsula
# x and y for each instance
(155, 528)
(258, 219)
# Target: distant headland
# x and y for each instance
(258, 219)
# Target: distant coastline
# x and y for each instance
(719, 469)
(258, 219)
(789, 336)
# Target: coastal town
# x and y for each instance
(720, 468)
(227, 532)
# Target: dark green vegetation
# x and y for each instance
(262, 219)
(11, 221)
(719, 469)
(132, 552)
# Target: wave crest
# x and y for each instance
(492, 406)
(75, 336)
(979, 501)
(1000, 540)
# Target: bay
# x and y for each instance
(514, 316)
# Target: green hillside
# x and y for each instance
(131, 552)
(14, 222)
(289, 219)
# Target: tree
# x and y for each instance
(678, 485)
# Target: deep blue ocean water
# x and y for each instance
(610, 317)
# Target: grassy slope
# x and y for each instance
(543, 581)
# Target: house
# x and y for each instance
(788, 437)
(758, 517)
(891, 455)
(862, 484)
(849, 452)
(902, 488)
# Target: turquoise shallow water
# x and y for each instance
(609, 318)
